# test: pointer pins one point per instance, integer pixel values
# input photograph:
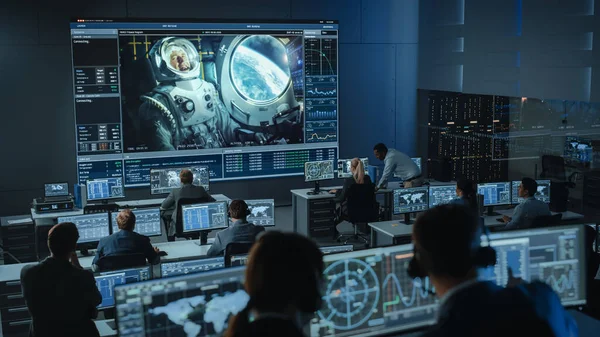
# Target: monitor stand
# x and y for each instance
(203, 239)
(407, 219)
(316, 190)
(490, 211)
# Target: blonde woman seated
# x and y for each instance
(358, 177)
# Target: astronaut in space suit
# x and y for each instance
(183, 111)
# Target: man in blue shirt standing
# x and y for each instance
(529, 209)
(397, 164)
(126, 241)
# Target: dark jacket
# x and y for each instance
(486, 309)
(61, 299)
(240, 231)
(185, 191)
(341, 196)
(126, 242)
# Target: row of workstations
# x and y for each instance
(368, 291)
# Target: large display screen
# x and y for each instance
(246, 99)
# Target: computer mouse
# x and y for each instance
(162, 253)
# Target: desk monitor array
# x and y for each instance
(410, 200)
(165, 307)
(204, 217)
(262, 212)
(106, 282)
(184, 267)
(368, 292)
(164, 180)
(440, 195)
(317, 171)
(91, 227)
(543, 191)
(554, 255)
(343, 167)
(147, 222)
(495, 194)
(104, 189)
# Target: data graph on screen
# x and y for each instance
(321, 57)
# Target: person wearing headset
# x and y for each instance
(240, 231)
(284, 280)
(447, 249)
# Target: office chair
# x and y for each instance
(178, 232)
(120, 261)
(546, 221)
(236, 248)
(553, 168)
(362, 208)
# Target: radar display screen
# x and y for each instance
(318, 170)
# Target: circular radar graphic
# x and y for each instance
(351, 295)
(314, 170)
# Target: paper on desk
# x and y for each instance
(17, 221)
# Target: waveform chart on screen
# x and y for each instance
(321, 56)
(563, 277)
(351, 295)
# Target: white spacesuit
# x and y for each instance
(183, 111)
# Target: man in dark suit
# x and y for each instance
(448, 250)
(60, 295)
(187, 190)
(240, 231)
(126, 241)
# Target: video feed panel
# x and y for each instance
(543, 191)
(318, 170)
(409, 200)
(368, 293)
(205, 216)
(439, 195)
(107, 281)
(495, 193)
(163, 181)
(56, 190)
(555, 256)
(190, 305)
(177, 268)
(91, 227)
(262, 212)
(147, 222)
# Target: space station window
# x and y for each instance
(259, 69)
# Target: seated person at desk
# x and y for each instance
(284, 278)
(529, 209)
(358, 177)
(187, 190)
(60, 295)
(239, 231)
(126, 241)
(397, 164)
(448, 251)
(466, 190)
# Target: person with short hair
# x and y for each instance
(397, 164)
(60, 295)
(126, 241)
(284, 280)
(529, 209)
(187, 190)
(448, 250)
(239, 231)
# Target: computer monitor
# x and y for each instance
(262, 212)
(237, 260)
(410, 200)
(164, 180)
(439, 195)
(91, 227)
(56, 190)
(543, 191)
(495, 193)
(204, 217)
(326, 250)
(147, 222)
(417, 161)
(317, 171)
(553, 255)
(168, 269)
(343, 167)
(193, 305)
(106, 282)
(369, 293)
(105, 188)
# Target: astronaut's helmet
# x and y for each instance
(175, 59)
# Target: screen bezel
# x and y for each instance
(226, 225)
(109, 198)
(107, 273)
(318, 161)
(60, 183)
(272, 201)
(440, 187)
(410, 188)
